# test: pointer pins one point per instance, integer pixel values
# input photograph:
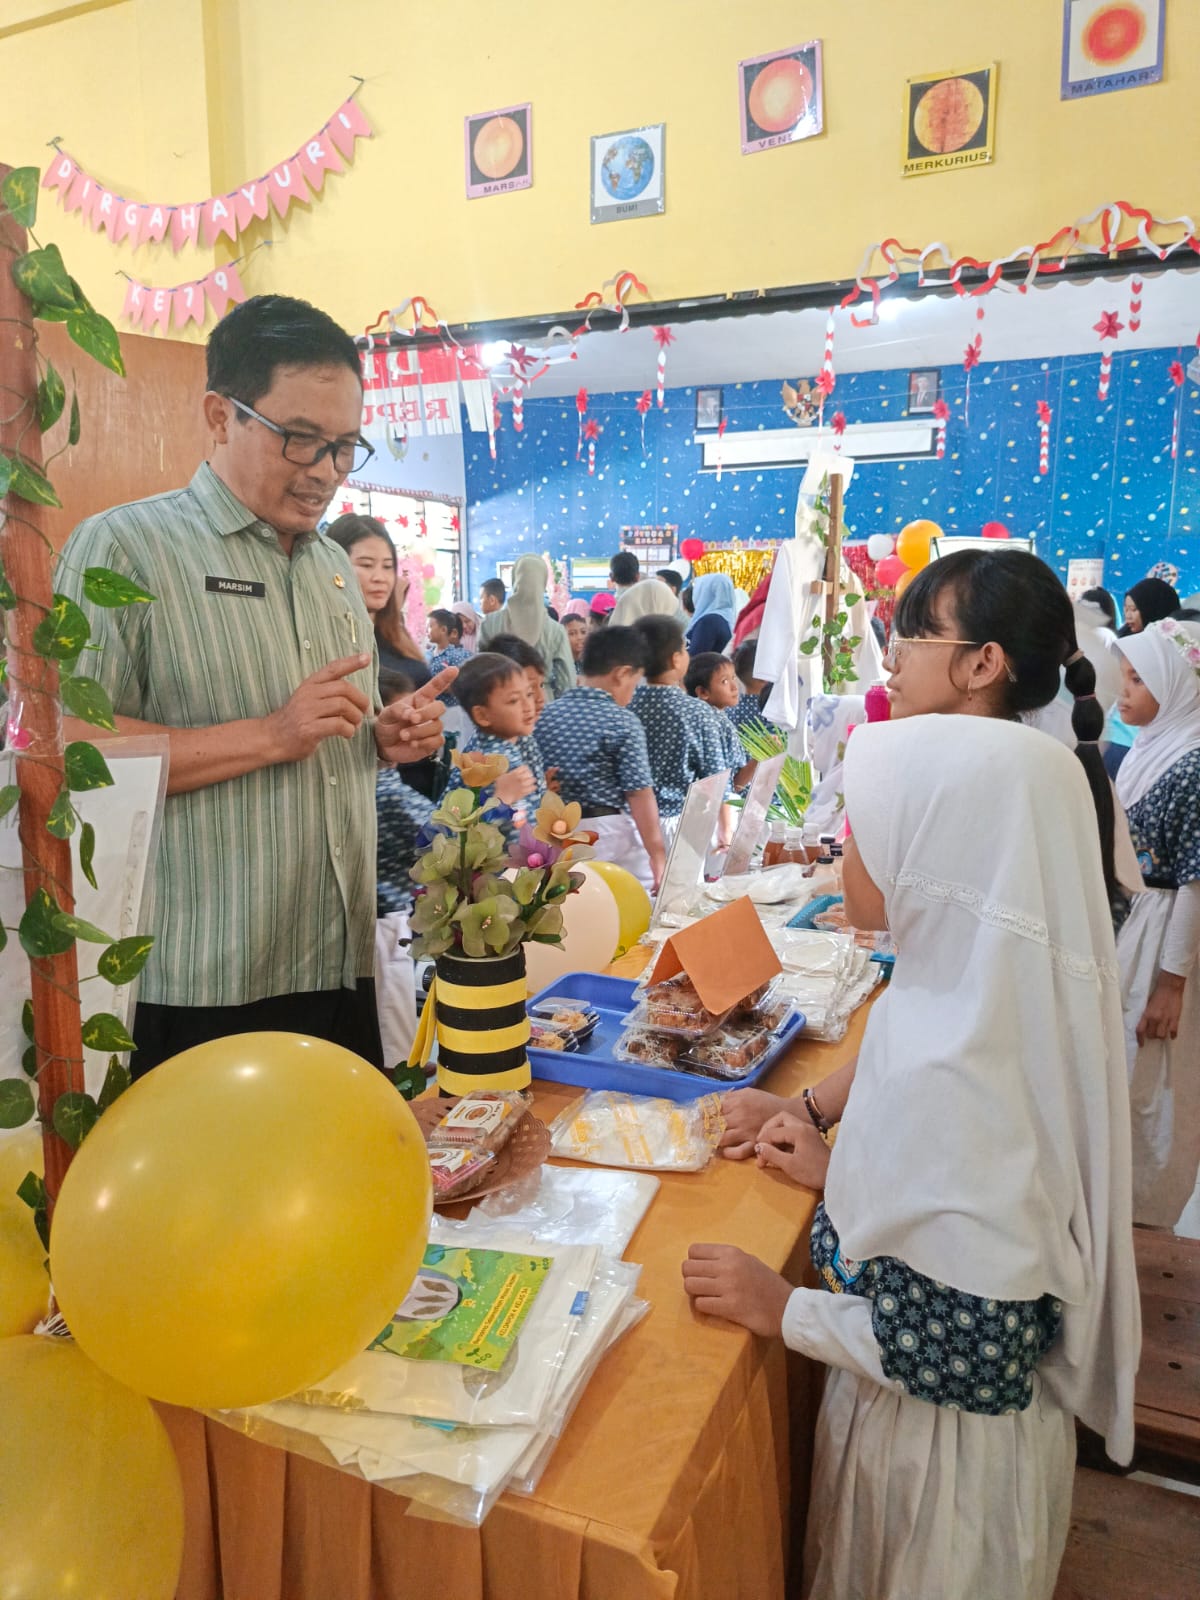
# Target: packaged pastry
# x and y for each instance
(630, 1130)
(484, 1118)
(772, 1014)
(729, 1052)
(647, 1047)
(545, 1036)
(457, 1169)
(675, 1007)
(576, 1016)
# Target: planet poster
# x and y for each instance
(628, 176)
(499, 151)
(1111, 44)
(780, 97)
(950, 120)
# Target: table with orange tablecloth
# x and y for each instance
(683, 1472)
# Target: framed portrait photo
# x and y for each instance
(924, 386)
(708, 410)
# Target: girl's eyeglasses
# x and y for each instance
(898, 648)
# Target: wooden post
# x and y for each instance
(35, 711)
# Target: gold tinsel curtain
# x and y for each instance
(746, 565)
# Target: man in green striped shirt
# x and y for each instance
(257, 662)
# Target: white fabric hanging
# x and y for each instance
(786, 624)
(830, 719)
(1159, 656)
(986, 1138)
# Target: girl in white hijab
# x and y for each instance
(524, 613)
(1159, 786)
(649, 598)
(976, 1233)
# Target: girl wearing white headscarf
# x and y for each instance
(976, 1231)
(470, 624)
(524, 613)
(1159, 786)
(649, 598)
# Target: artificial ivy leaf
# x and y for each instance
(51, 398)
(5, 474)
(86, 768)
(16, 1103)
(87, 852)
(31, 483)
(851, 599)
(3, 936)
(86, 699)
(106, 1032)
(9, 795)
(73, 425)
(807, 648)
(19, 192)
(74, 1117)
(36, 931)
(29, 1061)
(105, 588)
(79, 929)
(8, 596)
(41, 275)
(116, 1081)
(122, 961)
(63, 631)
(32, 1190)
(61, 819)
(27, 1019)
(97, 336)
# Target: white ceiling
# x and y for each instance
(1051, 319)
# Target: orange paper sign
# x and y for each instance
(726, 955)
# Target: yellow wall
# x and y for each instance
(172, 99)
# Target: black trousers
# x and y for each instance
(344, 1016)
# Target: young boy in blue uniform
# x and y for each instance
(494, 693)
(683, 740)
(711, 680)
(599, 749)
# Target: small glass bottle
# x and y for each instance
(773, 852)
(793, 845)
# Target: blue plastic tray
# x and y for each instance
(593, 1065)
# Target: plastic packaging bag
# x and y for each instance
(563, 1205)
(628, 1130)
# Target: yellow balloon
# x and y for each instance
(903, 581)
(633, 903)
(243, 1220)
(912, 545)
(24, 1282)
(20, 1152)
(90, 1498)
(591, 926)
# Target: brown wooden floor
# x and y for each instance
(1130, 1541)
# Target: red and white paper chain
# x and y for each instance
(941, 415)
(1043, 417)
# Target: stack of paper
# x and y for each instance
(466, 1391)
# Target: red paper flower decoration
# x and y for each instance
(824, 383)
(1043, 410)
(1109, 325)
(519, 359)
(839, 423)
(591, 429)
(401, 522)
(581, 401)
(663, 337)
(347, 506)
(644, 401)
(1177, 374)
(941, 411)
(973, 352)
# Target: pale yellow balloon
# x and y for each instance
(633, 903)
(91, 1505)
(24, 1282)
(243, 1220)
(591, 927)
(20, 1152)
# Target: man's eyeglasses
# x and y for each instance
(306, 449)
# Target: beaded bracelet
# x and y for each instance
(819, 1122)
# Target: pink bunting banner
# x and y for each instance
(149, 308)
(202, 222)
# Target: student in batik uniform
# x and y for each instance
(682, 738)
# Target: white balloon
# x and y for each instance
(591, 932)
(880, 546)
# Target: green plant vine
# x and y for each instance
(59, 639)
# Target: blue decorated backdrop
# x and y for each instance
(1112, 489)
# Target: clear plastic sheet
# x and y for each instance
(565, 1205)
(629, 1130)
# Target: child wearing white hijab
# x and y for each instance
(649, 598)
(976, 1231)
(1159, 785)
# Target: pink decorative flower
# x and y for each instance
(17, 737)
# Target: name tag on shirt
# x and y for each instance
(246, 586)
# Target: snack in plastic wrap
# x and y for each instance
(729, 1053)
(771, 1014)
(562, 1011)
(647, 1047)
(545, 1036)
(675, 1005)
(457, 1169)
(484, 1118)
(629, 1130)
